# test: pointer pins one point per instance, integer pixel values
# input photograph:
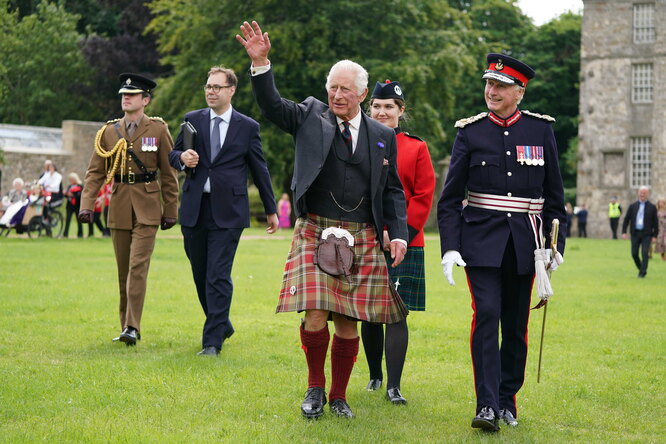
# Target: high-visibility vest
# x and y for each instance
(614, 210)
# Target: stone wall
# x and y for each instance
(608, 118)
(72, 156)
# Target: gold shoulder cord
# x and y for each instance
(117, 155)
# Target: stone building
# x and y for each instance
(622, 131)
(25, 148)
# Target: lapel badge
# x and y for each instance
(380, 144)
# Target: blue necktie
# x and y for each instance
(215, 145)
(346, 134)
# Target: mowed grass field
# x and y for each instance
(63, 380)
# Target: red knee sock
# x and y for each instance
(343, 356)
(315, 346)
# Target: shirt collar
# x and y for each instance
(354, 123)
(504, 122)
(226, 116)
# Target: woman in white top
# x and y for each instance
(51, 181)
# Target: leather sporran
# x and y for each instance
(334, 254)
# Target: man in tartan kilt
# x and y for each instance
(345, 180)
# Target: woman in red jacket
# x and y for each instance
(418, 180)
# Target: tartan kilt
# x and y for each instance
(410, 275)
(370, 295)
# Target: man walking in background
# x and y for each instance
(643, 223)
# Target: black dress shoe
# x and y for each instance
(486, 420)
(394, 395)
(506, 416)
(340, 408)
(229, 332)
(374, 384)
(129, 336)
(314, 402)
(209, 351)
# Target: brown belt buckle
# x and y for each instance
(130, 177)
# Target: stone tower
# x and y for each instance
(622, 130)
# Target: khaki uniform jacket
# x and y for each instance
(141, 198)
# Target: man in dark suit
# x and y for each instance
(642, 220)
(505, 163)
(215, 206)
(345, 183)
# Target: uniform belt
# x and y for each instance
(505, 203)
(135, 178)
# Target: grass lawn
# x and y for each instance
(63, 380)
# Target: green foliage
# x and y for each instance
(421, 44)
(63, 380)
(42, 73)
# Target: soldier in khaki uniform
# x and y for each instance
(131, 151)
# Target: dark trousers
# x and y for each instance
(97, 220)
(72, 211)
(640, 239)
(499, 295)
(614, 221)
(582, 229)
(211, 252)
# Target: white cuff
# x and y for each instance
(402, 241)
(257, 70)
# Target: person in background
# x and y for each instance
(16, 194)
(614, 213)
(284, 211)
(570, 215)
(643, 223)
(73, 194)
(582, 221)
(387, 106)
(660, 242)
(97, 216)
(51, 181)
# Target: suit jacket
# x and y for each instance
(228, 172)
(650, 219)
(313, 127)
(484, 159)
(142, 199)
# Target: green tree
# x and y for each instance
(420, 43)
(42, 73)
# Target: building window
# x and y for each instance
(644, 23)
(641, 83)
(641, 148)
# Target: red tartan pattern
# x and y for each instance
(369, 297)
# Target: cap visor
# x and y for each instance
(129, 91)
(494, 75)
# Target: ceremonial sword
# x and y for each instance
(554, 231)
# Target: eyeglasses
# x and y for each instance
(216, 88)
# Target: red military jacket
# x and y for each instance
(418, 180)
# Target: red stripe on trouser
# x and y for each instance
(315, 346)
(515, 405)
(471, 334)
(343, 356)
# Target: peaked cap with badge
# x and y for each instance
(388, 90)
(131, 83)
(508, 70)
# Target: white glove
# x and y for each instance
(553, 262)
(451, 257)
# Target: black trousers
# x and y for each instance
(211, 251)
(72, 211)
(614, 221)
(640, 239)
(499, 295)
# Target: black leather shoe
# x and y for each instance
(486, 420)
(374, 384)
(314, 402)
(209, 351)
(129, 336)
(340, 408)
(506, 416)
(394, 395)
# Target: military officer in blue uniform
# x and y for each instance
(504, 162)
